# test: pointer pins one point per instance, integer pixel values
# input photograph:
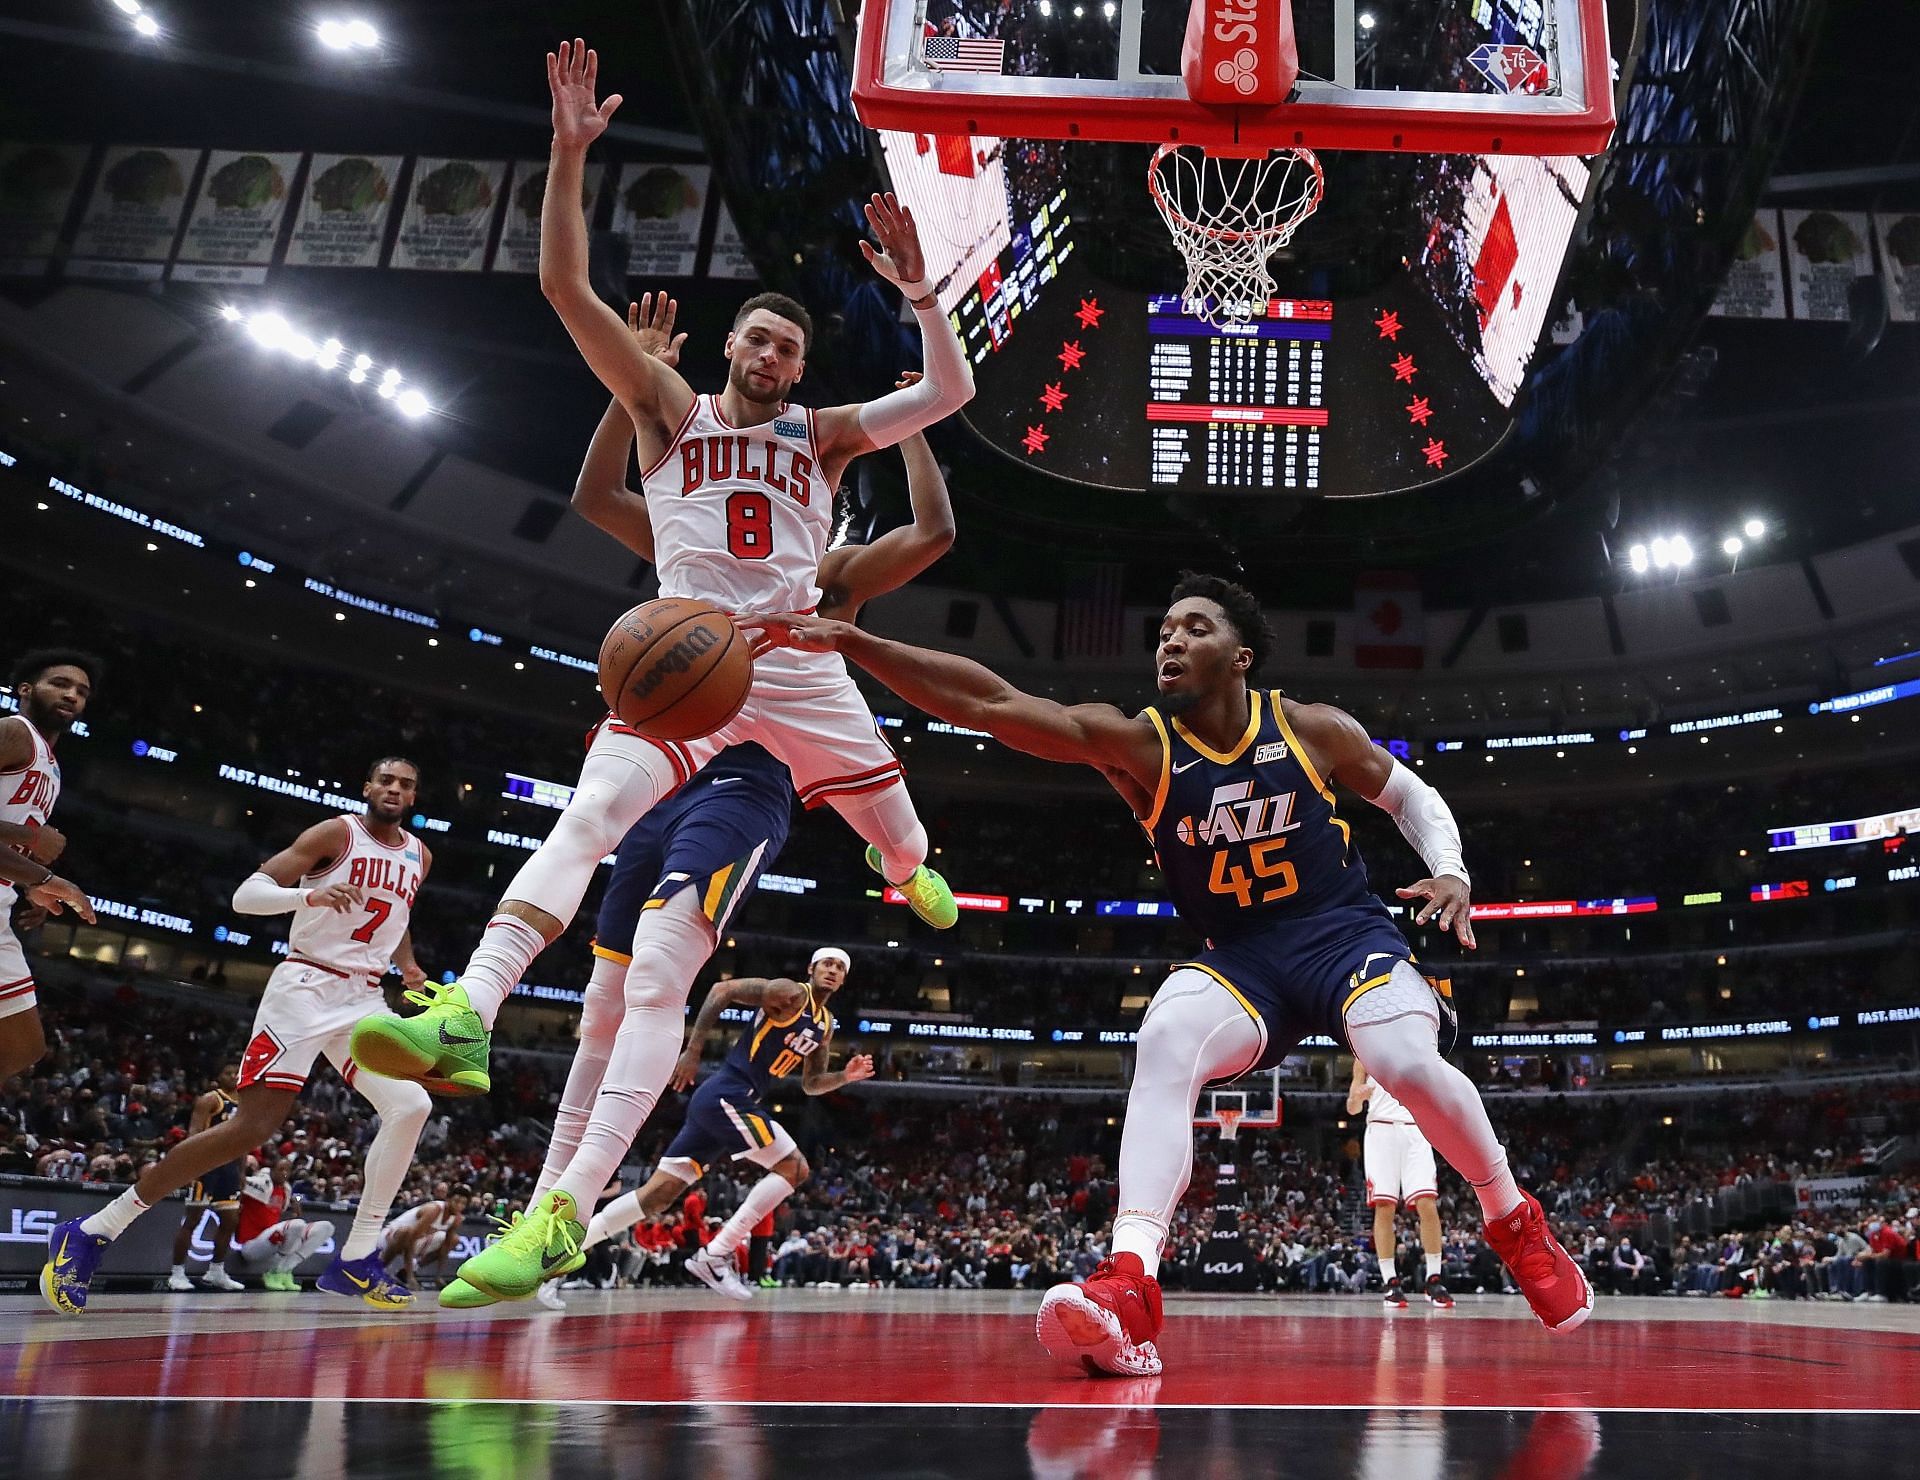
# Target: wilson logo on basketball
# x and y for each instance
(677, 659)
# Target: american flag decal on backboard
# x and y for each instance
(962, 54)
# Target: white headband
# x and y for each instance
(831, 953)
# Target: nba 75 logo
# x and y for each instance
(1236, 815)
(1512, 68)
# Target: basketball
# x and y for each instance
(675, 669)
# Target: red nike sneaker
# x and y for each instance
(1107, 1325)
(1547, 1276)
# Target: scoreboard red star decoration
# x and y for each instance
(1388, 324)
(1053, 397)
(1089, 313)
(1035, 440)
(1419, 411)
(1071, 354)
(1405, 369)
(1436, 452)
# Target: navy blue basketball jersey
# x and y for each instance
(1248, 838)
(772, 1048)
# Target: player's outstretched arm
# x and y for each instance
(854, 574)
(962, 692)
(1342, 751)
(643, 385)
(848, 431)
(600, 494)
(272, 889)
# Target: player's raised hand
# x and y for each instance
(859, 1067)
(651, 320)
(1447, 898)
(573, 76)
(898, 258)
(46, 844)
(57, 895)
(337, 897)
(790, 630)
(686, 1068)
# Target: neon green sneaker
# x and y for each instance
(539, 1245)
(280, 1279)
(444, 1047)
(461, 1296)
(927, 893)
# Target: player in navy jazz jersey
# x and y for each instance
(1234, 786)
(791, 1030)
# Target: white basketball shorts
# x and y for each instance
(1399, 1164)
(16, 982)
(307, 1010)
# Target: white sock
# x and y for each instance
(1433, 1266)
(669, 947)
(403, 1107)
(499, 964)
(887, 820)
(622, 1212)
(1390, 1030)
(1194, 1031)
(116, 1217)
(599, 1026)
(766, 1195)
(178, 1269)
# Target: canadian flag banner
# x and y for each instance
(1389, 623)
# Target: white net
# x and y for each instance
(1229, 216)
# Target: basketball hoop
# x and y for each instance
(1229, 1122)
(1228, 216)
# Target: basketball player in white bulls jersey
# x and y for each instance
(350, 883)
(51, 688)
(740, 491)
(1400, 1171)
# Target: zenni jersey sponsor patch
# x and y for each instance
(784, 427)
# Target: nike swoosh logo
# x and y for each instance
(1187, 767)
(547, 1261)
(452, 1038)
(725, 780)
(60, 1258)
(356, 1281)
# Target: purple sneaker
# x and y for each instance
(72, 1256)
(365, 1279)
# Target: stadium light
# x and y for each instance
(1637, 558)
(1732, 544)
(1681, 551)
(1109, 10)
(347, 35)
(1366, 20)
(270, 330)
(1754, 528)
(1662, 555)
(131, 7)
(1046, 8)
(146, 25)
(413, 403)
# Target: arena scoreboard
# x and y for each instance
(1237, 406)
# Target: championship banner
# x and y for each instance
(1899, 238)
(343, 211)
(37, 183)
(235, 222)
(1826, 251)
(729, 257)
(519, 249)
(449, 214)
(1755, 286)
(658, 209)
(128, 230)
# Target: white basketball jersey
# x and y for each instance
(361, 941)
(1384, 1109)
(741, 517)
(27, 797)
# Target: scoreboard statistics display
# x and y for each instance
(1237, 407)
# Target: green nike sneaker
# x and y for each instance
(444, 1047)
(461, 1296)
(280, 1279)
(926, 892)
(542, 1244)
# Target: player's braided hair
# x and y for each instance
(33, 665)
(786, 308)
(1241, 606)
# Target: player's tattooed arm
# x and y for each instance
(651, 391)
(817, 1079)
(963, 692)
(778, 997)
(853, 575)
